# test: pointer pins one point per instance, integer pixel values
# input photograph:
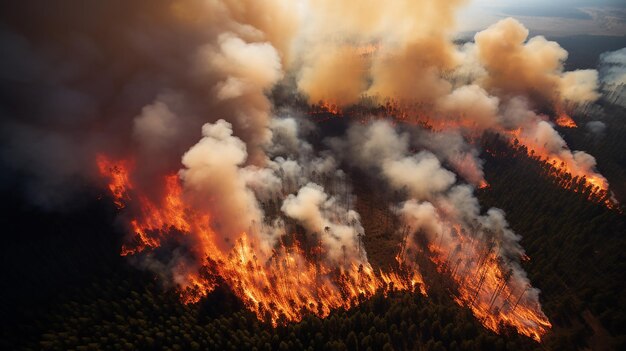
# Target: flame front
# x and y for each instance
(118, 175)
(565, 121)
(484, 282)
(326, 107)
(290, 283)
(563, 161)
(484, 287)
(564, 168)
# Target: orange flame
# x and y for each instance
(565, 121)
(484, 285)
(415, 115)
(118, 173)
(277, 289)
(289, 283)
(563, 170)
(326, 107)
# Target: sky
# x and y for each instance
(551, 18)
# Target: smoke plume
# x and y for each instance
(175, 110)
(480, 250)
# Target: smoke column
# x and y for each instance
(171, 110)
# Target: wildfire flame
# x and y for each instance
(565, 121)
(282, 288)
(485, 285)
(292, 281)
(119, 178)
(564, 165)
(326, 107)
(413, 114)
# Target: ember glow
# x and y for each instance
(487, 286)
(241, 141)
(565, 163)
(255, 206)
(118, 174)
(565, 121)
(551, 148)
(292, 282)
(282, 287)
(326, 107)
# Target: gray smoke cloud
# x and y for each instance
(142, 89)
(75, 86)
(293, 182)
(446, 214)
(182, 88)
(596, 127)
(452, 147)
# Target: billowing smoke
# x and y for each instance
(75, 85)
(502, 81)
(452, 148)
(477, 249)
(212, 177)
(168, 68)
(335, 73)
(379, 49)
(221, 183)
(216, 180)
(335, 226)
(471, 103)
(379, 148)
(514, 66)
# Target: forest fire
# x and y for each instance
(565, 121)
(486, 285)
(567, 169)
(504, 307)
(293, 280)
(308, 174)
(290, 283)
(118, 174)
(274, 219)
(563, 160)
(493, 301)
(326, 107)
(409, 280)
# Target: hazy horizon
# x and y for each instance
(556, 18)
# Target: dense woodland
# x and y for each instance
(66, 287)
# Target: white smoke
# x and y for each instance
(217, 180)
(451, 147)
(336, 227)
(444, 213)
(211, 66)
